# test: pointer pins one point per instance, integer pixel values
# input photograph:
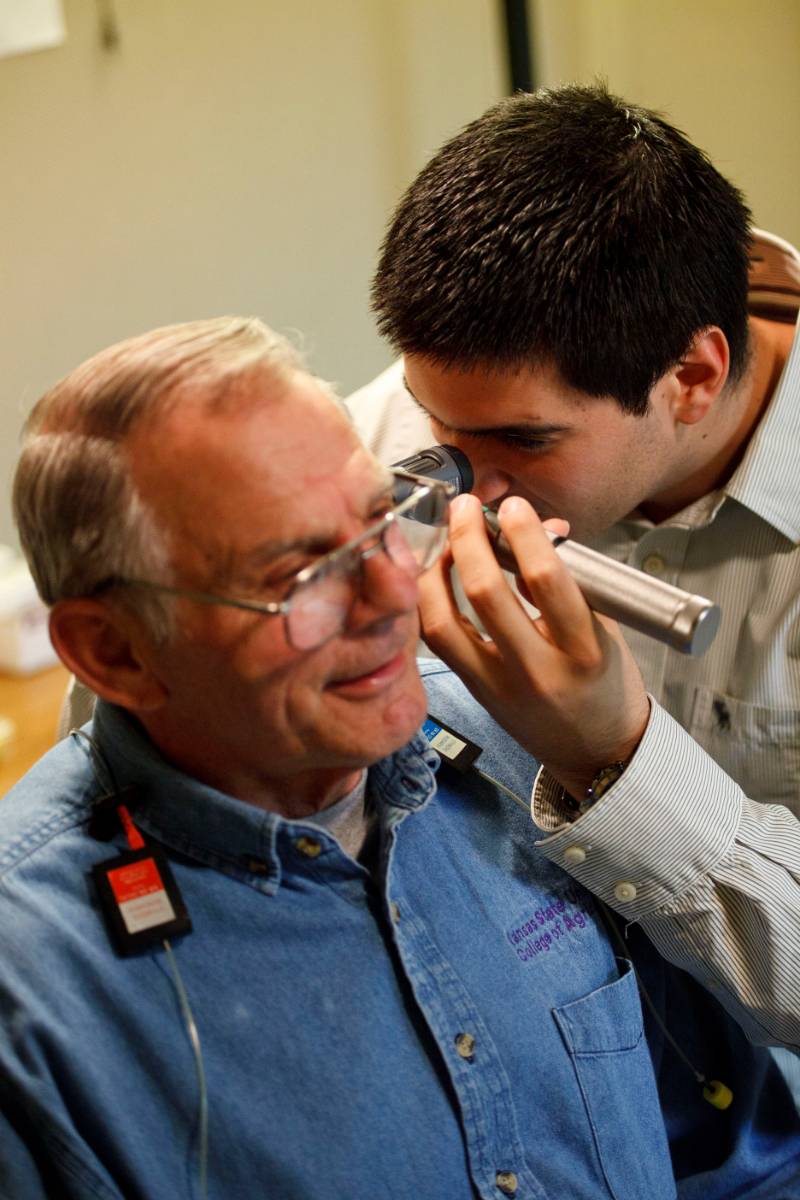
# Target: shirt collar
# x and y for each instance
(226, 833)
(765, 480)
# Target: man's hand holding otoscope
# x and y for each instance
(565, 685)
(685, 622)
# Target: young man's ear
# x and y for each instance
(107, 650)
(700, 376)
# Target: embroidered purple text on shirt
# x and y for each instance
(560, 919)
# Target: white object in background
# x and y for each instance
(25, 644)
(7, 733)
(27, 25)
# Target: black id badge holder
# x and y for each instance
(453, 747)
(140, 900)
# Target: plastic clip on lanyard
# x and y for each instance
(141, 902)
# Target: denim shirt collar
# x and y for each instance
(220, 831)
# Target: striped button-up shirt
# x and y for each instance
(699, 840)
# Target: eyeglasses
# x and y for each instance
(316, 608)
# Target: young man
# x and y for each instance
(386, 989)
(567, 280)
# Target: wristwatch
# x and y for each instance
(603, 781)
(600, 784)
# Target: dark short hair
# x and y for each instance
(571, 228)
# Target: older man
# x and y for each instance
(256, 941)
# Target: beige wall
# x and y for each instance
(727, 72)
(237, 157)
(245, 157)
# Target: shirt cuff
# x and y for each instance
(667, 820)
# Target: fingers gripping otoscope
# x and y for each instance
(685, 622)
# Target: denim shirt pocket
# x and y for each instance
(604, 1035)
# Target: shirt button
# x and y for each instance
(625, 891)
(574, 856)
(465, 1045)
(507, 1182)
(394, 909)
(308, 846)
(653, 564)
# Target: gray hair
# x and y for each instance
(80, 519)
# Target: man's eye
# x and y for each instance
(271, 586)
(382, 506)
(532, 445)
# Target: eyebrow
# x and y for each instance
(518, 429)
(266, 552)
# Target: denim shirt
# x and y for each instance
(457, 1026)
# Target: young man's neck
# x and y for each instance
(732, 423)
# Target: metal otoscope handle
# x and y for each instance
(685, 622)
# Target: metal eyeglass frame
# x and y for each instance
(376, 533)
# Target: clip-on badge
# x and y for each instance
(140, 899)
(454, 748)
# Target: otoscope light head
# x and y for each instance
(445, 463)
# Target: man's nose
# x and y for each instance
(490, 483)
(385, 589)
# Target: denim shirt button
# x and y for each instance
(308, 846)
(465, 1045)
(507, 1182)
(394, 909)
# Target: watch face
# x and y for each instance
(605, 778)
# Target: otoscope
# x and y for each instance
(683, 621)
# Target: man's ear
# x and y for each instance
(700, 376)
(109, 651)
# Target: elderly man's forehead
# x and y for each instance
(288, 398)
(236, 507)
(252, 450)
(262, 384)
(301, 410)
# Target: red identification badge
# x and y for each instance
(140, 894)
(139, 897)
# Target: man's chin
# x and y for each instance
(404, 715)
(396, 716)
